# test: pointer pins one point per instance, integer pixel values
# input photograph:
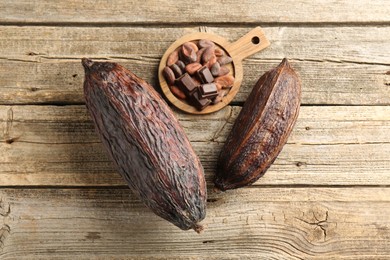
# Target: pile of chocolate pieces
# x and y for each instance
(196, 73)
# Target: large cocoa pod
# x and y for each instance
(261, 129)
(146, 142)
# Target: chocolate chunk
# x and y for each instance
(186, 84)
(205, 75)
(208, 90)
(198, 102)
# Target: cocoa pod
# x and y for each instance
(261, 129)
(146, 143)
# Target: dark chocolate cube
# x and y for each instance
(204, 75)
(186, 84)
(198, 102)
(208, 90)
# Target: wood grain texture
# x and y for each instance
(57, 146)
(229, 11)
(42, 64)
(326, 196)
(251, 223)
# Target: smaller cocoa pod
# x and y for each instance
(261, 129)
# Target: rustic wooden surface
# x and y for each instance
(326, 196)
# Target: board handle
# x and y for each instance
(248, 44)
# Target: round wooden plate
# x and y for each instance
(247, 45)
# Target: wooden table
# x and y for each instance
(326, 196)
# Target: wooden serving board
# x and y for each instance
(252, 42)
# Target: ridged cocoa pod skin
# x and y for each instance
(146, 142)
(261, 129)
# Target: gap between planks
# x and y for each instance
(329, 146)
(201, 25)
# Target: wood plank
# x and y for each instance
(42, 64)
(251, 223)
(173, 12)
(57, 145)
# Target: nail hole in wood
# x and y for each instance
(255, 40)
(299, 164)
(10, 140)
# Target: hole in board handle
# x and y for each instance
(255, 40)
